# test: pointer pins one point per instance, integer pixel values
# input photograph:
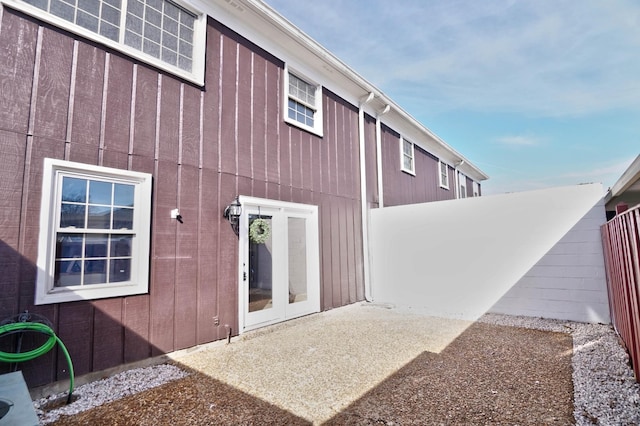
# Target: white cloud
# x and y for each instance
(548, 57)
(503, 180)
(518, 140)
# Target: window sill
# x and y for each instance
(313, 130)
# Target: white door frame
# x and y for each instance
(280, 212)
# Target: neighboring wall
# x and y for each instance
(65, 98)
(460, 258)
(403, 188)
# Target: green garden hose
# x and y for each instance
(35, 353)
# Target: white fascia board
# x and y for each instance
(628, 178)
(261, 24)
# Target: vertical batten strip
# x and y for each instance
(156, 154)
(34, 88)
(200, 231)
(201, 132)
(219, 136)
(279, 120)
(24, 202)
(251, 120)
(132, 115)
(103, 113)
(237, 108)
(72, 94)
(180, 128)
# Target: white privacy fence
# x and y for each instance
(535, 253)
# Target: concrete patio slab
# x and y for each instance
(316, 366)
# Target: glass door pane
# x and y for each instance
(260, 268)
(297, 249)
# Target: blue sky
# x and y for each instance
(536, 93)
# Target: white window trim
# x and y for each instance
(199, 38)
(444, 185)
(476, 189)
(413, 157)
(317, 117)
(462, 184)
(139, 283)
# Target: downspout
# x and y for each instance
(379, 154)
(455, 170)
(364, 209)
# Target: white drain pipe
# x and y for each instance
(364, 208)
(379, 154)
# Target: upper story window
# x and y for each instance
(476, 189)
(94, 232)
(304, 103)
(407, 157)
(462, 186)
(163, 33)
(443, 171)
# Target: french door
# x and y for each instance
(278, 271)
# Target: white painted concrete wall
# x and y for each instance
(530, 253)
(569, 281)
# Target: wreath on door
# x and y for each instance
(259, 231)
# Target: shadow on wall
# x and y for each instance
(458, 258)
(99, 335)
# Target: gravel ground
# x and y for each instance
(526, 373)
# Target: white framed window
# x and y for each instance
(94, 232)
(476, 189)
(167, 34)
(443, 172)
(407, 157)
(462, 186)
(303, 102)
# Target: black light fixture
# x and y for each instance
(232, 213)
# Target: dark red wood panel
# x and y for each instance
(115, 159)
(274, 117)
(87, 95)
(350, 258)
(117, 114)
(190, 145)
(186, 258)
(145, 97)
(12, 151)
(227, 262)
(169, 120)
(210, 211)
(136, 328)
(284, 149)
(371, 159)
(75, 329)
(228, 93)
(83, 153)
(108, 334)
(324, 219)
(244, 119)
(17, 58)
(358, 248)
(162, 299)
(259, 119)
(343, 252)
(295, 158)
(54, 75)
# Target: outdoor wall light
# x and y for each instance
(232, 213)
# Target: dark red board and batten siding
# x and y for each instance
(66, 98)
(404, 188)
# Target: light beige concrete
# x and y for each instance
(317, 365)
